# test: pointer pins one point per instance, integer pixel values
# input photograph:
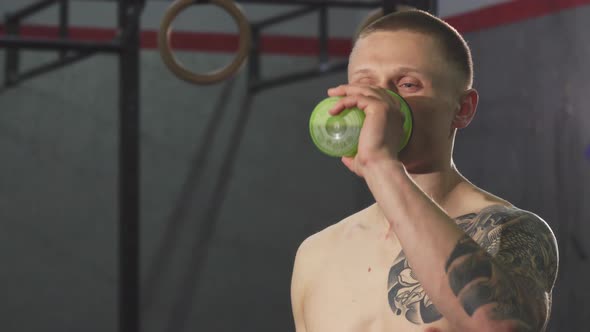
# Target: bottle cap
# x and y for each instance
(336, 135)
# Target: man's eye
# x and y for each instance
(409, 85)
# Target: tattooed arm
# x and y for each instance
(501, 281)
(506, 264)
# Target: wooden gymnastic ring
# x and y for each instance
(216, 75)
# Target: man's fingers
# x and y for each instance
(346, 102)
(336, 91)
(355, 101)
(353, 90)
(349, 163)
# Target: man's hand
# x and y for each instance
(382, 131)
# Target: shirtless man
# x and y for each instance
(434, 253)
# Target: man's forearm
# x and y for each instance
(432, 242)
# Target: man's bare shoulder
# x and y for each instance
(517, 237)
(317, 246)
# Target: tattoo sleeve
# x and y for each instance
(508, 258)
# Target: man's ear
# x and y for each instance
(467, 108)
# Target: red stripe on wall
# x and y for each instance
(500, 14)
(270, 44)
(510, 12)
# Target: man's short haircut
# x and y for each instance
(454, 47)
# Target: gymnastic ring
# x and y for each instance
(216, 75)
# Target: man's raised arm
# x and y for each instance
(500, 283)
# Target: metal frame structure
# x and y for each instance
(126, 45)
(250, 37)
(324, 66)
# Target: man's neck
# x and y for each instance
(439, 183)
(455, 195)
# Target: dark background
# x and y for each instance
(58, 136)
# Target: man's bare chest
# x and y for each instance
(352, 291)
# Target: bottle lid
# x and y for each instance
(336, 135)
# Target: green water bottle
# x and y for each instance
(338, 135)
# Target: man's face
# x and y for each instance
(412, 65)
